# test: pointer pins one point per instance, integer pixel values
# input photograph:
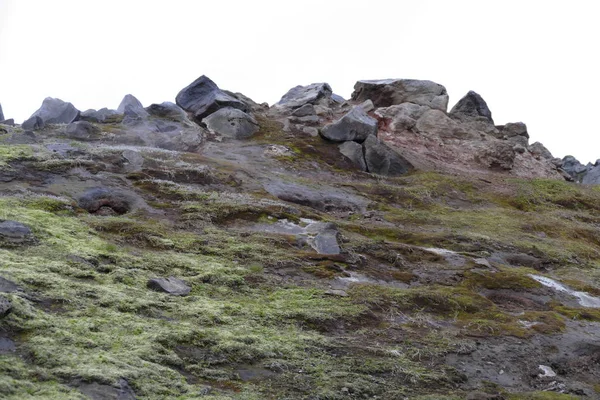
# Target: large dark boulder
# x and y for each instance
(167, 110)
(82, 130)
(105, 201)
(574, 168)
(356, 125)
(232, 123)
(13, 233)
(56, 111)
(387, 92)
(354, 152)
(129, 101)
(471, 106)
(382, 160)
(170, 285)
(300, 95)
(203, 97)
(33, 123)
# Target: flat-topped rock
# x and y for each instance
(310, 94)
(387, 92)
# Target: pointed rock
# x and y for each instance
(203, 97)
(382, 160)
(301, 95)
(56, 111)
(356, 125)
(471, 106)
(354, 152)
(540, 151)
(387, 92)
(33, 123)
(129, 101)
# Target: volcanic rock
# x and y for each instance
(387, 92)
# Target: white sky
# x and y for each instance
(532, 61)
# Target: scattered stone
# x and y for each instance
(540, 151)
(336, 292)
(97, 391)
(82, 130)
(277, 150)
(13, 233)
(307, 109)
(131, 102)
(354, 152)
(382, 160)
(547, 372)
(134, 159)
(300, 95)
(326, 239)
(471, 106)
(26, 137)
(203, 97)
(5, 307)
(367, 105)
(324, 199)
(102, 116)
(33, 123)
(355, 125)
(167, 110)
(387, 92)
(7, 286)
(170, 285)
(308, 119)
(96, 200)
(56, 111)
(311, 130)
(232, 123)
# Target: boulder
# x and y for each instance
(167, 110)
(592, 177)
(9, 122)
(513, 129)
(337, 98)
(105, 201)
(203, 97)
(367, 105)
(232, 123)
(471, 106)
(497, 155)
(574, 168)
(323, 198)
(402, 117)
(5, 307)
(129, 101)
(355, 125)
(82, 130)
(33, 123)
(102, 116)
(56, 111)
(300, 95)
(437, 123)
(354, 152)
(324, 237)
(7, 286)
(13, 233)
(382, 160)
(387, 92)
(170, 285)
(540, 151)
(305, 110)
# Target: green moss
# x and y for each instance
(10, 153)
(541, 396)
(505, 278)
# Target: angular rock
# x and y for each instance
(33, 123)
(129, 101)
(9, 122)
(167, 110)
(402, 116)
(540, 151)
(356, 125)
(170, 285)
(203, 97)
(354, 152)
(387, 92)
(82, 130)
(437, 123)
(7, 286)
(326, 239)
(471, 106)
(498, 155)
(13, 233)
(367, 105)
(232, 123)
(56, 111)
(104, 200)
(5, 307)
(513, 129)
(574, 168)
(382, 160)
(324, 199)
(592, 177)
(337, 98)
(300, 95)
(102, 116)
(307, 109)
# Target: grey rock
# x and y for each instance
(497, 155)
(170, 285)
(401, 117)
(354, 152)
(102, 116)
(382, 160)
(574, 168)
(129, 101)
(13, 233)
(387, 92)
(513, 129)
(98, 391)
(56, 111)
(105, 201)
(232, 123)
(437, 123)
(355, 125)
(521, 141)
(337, 98)
(592, 177)
(7, 286)
(540, 151)
(33, 123)
(167, 110)
(301, 95)
(307, 109)
(520, 148)
(82, 130)
(471, 106)
(5, 307)
(26, 137)
(312, 131)
(203, 97)
(323, 199)
(308, 119)
(65, 150)
(367, 105)
(326, 239)
(134, 159)
(9, 122)
(1, 113)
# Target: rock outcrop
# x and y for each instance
(232, 123)
(355, 125)
(56, 111)
(301, 95)
(387, 92)
(471, 106)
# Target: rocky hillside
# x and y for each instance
(380, 247)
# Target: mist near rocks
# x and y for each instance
(531, 63)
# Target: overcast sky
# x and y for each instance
(532, 61)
